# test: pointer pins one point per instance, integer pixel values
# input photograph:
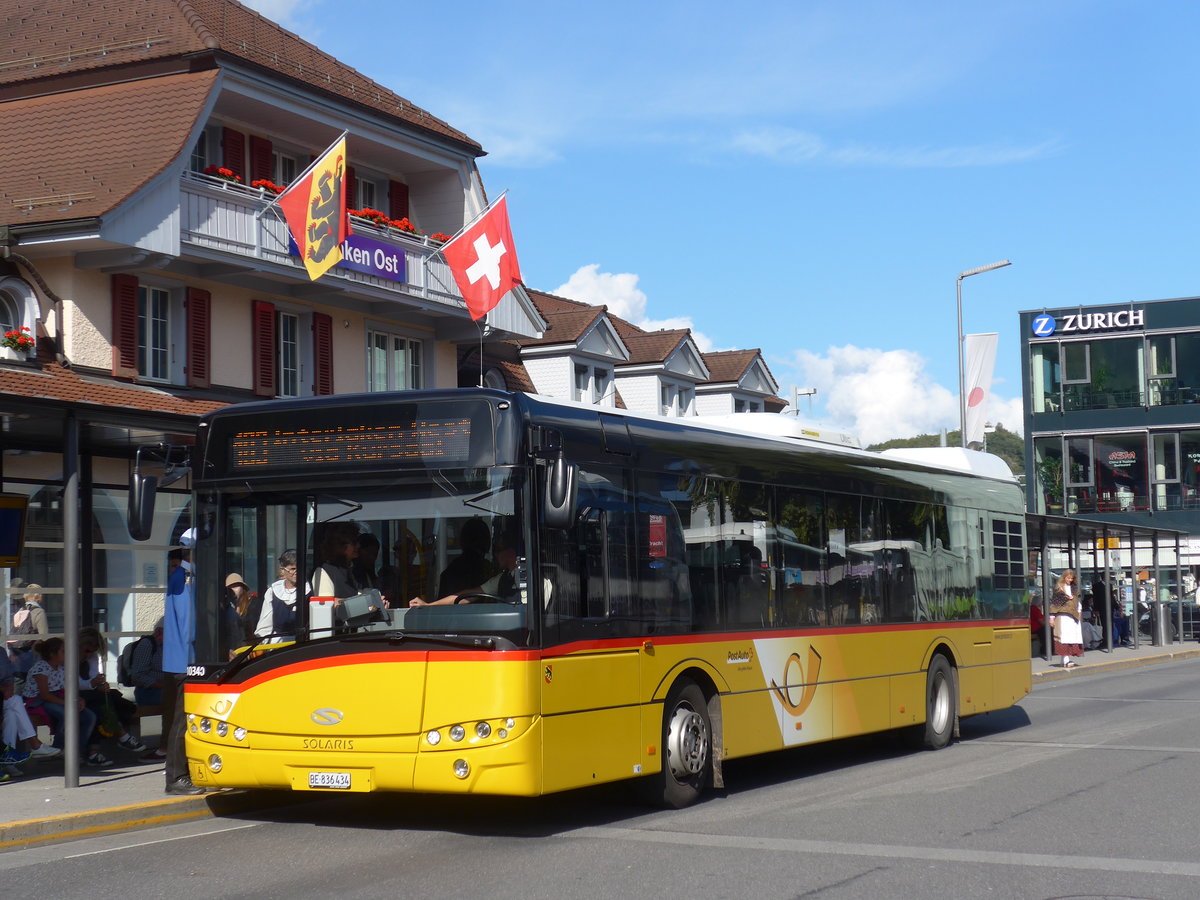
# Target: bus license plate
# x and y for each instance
(332, 780)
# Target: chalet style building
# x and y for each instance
(141, 251)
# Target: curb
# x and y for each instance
(1115, 665)
(27, 833)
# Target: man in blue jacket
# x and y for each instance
(179, 635)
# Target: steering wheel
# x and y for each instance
(487, 598)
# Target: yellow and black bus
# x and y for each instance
(674, 594)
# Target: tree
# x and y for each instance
(1005, 444)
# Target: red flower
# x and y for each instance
(18, 339)
(223, 173)
(440, 237)
(267, 185)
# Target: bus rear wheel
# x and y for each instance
(686, 748)
(941, 707)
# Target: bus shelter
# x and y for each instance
(1137, 568)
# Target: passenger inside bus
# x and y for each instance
(337, 550)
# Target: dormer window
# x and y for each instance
(593, 384)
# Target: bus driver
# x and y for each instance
(503, 584)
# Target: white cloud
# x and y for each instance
(883, 394)
(621, 294)
(786, 145)
(281, 11)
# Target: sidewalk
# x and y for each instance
(1094, 661)
(39, 809)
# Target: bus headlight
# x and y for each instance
(215, 764)
(239, 734)
(457, 733)
(222, 729)
(205, 726)
(433, 738)
(483, 729)
(461, 768)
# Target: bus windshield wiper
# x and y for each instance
(472, 641)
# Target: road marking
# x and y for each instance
(1062, 745)
(889, 851)
(178, 837)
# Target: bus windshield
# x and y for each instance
(363, 553)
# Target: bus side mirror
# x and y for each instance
(558, 503)
(140, 515)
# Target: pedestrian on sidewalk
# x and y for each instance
(179, 634)
(1065, 608)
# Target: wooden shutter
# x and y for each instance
(351, 189)
(397, 200)
(233, 152)
(261, 162)
(124, 326)
(199, 338)
(263, 340)
(322, 327)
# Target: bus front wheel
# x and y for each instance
(686, 747)
(941, 707)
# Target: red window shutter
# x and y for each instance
(397, 200)
(233, 152)
(322, 353)
(261, 162)
(264, 348)
(124, 326)
(351, 189)
(199, 338)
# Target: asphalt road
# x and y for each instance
(1085, 790)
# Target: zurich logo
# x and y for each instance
(1044, 325)
(327, 716)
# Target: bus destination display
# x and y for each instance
(445, 440)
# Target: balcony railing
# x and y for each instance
(228, 218)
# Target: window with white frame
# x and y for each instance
(154, 333)
(394, 362)
(10, 317)
(677, 399)
(283, 168)
(201, 152)
(366, 193)
(593, 384)
(287, 354)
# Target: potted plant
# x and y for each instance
(1050, 474)
(19, 341)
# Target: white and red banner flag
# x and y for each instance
(981, 363)
(483, 260)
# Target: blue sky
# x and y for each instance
(809, 178)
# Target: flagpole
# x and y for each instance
(316, 159)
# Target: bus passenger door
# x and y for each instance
(590, 665)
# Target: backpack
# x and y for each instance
(125, 661)
(25, 626)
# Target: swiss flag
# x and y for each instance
(484, 261)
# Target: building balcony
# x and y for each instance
(229, 223)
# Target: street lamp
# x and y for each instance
(962, 376)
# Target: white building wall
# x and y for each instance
(713, 404)
(640, 393)
(552, 376)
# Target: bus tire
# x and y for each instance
(941, 706)
(686, 748)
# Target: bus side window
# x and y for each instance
(664, 588)
(801, 538)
